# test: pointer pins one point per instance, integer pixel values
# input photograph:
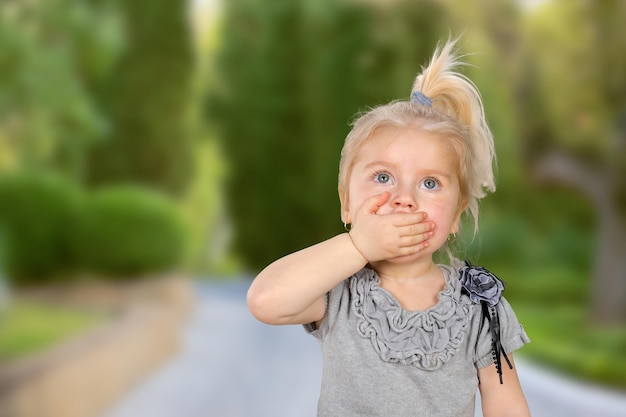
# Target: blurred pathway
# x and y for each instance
(232, 366)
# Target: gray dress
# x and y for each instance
(382, 360)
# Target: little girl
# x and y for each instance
(401, 335)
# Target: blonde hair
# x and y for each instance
(451, 108)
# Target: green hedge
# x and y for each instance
(53, 230)
(125, 231)
(36, 212)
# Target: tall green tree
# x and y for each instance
(52, 53)
(576, 125)
(147, 99)
(289, 78)
(99, 89)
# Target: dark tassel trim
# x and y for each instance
(491, 315)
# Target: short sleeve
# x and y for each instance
(512, 334)
(333, 299)
(312, 328)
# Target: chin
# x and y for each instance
(421, 255)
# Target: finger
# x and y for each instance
(411, 250)
(407, 219)
(414, 240)
(416, 229)
(373, 204)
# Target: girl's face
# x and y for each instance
(417, 169)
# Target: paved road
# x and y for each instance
(232, 366)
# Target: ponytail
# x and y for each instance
(455, 96)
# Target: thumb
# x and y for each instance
(374, 203)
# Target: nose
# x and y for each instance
(404, 199)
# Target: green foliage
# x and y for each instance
(52, 52)
(36, 213)
(204, 209)
(564, 339)
(98, 90)
(582, 86)
(125, 231)
(578, 95)
(289, 77)
(540, 235)
(147, 96)
(53, 230)
(575, 128)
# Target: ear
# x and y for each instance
(345, 216)
(455, 227)
(457, 219)
(345, 206)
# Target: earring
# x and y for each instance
(452, 238)
(347, 227)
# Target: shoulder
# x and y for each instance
(495, 324)
(480, 285)
(485, 291)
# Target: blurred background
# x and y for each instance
(202, 138)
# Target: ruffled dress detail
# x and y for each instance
(425, 339)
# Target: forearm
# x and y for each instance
(291, 289)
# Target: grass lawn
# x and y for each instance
(563, 339)
(29, 328)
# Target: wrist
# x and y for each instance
(357, 252)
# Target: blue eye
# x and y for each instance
(430, 184)
(382, 178)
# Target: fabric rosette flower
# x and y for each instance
(480, 284)
(485, 288)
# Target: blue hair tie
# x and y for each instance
(419, 97)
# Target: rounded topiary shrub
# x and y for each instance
(127, 231)
(38, 212)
